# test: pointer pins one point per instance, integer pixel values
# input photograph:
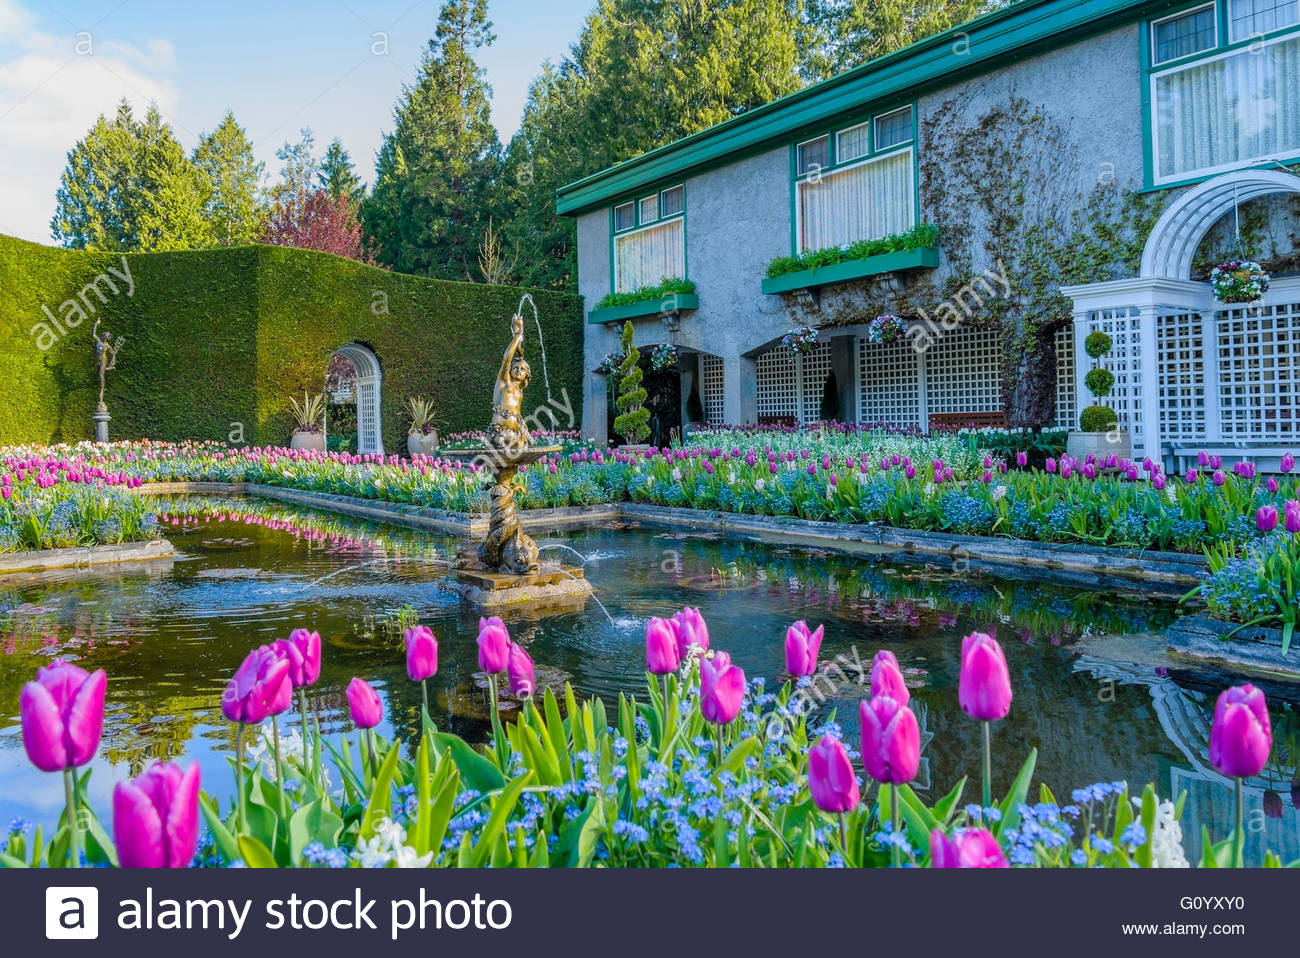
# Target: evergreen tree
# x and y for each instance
(437, 171)
(855, 31)
(299, 168)
(234, 179)
(633, 421)
(337, 176)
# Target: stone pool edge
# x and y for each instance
(1138, 567)
(79, 557)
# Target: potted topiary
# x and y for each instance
(633, 422)
(422, 440)
(308, 417)
(1099, 433)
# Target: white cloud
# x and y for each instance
(49, 97)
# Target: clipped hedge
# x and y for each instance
(219, 337)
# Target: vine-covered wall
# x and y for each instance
(216, 342)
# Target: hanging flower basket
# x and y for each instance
(1238, 281)
(663, 356)
(610, 363)
(885, 329)
(801, 339)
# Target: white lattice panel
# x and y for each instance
(889, 387)
(963, 371)
(1180, 364)
(777, 386)
(1124, 360)
(1066, 401)
(814, 368)
(711, 389)
(1259, 371)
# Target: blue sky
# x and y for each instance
(336, 66)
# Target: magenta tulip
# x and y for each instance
(985, 685)
(801, 648)
(722, 688)
(1266, 519)
(156, 817)
(62, 715)
(891, 740)
(519, 670)
(493, 645)
(661, 653)
(887, 678)
(302, 649)
(1293, 515)
(691, 631)
(1288, 462)
(260, 687)
(1241, 736)
(366, 706)
(831, 780)
(968, 848)
(421, 653)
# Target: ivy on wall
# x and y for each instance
(216, 341)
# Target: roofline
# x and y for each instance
(991, 41)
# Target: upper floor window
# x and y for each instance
(856, 182)
(649, 240)
(1223, 84)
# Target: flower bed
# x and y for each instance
(59, 504)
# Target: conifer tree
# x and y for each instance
(633, 421)
(234, 207)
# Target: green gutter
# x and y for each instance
(1026, 29)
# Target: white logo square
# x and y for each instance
(71, 913)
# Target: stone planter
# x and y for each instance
(1080, 445)
(308, 441)
(421, 443)
(1252, 649)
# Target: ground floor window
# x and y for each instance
(790, 384)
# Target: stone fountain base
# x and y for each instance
(552, 584)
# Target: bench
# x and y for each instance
(953, 421)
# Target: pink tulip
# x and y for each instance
(1218, 477)
(156, 817)
(519, 671)
(1293, 515)
(493, 645)
(62, 715)
(661, 652)
(367, 708)
(801, 648)
(968, 848)
(887, 678)
(421, 653)
(260, 687)
(985, 685)
(831, 780)
(1022, 459)
(1050, 464)
(691, 631)
(1266, 519)
(891, 740)
(1241, 736)
(722, 688)
(1191, 476)
(1288, 462)
(302, 649)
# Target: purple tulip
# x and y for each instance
(302, 650)
(367, 708)
(985, 685)
(1022, 459)
(1271, 485)
(1218, 477)
(691, 631)
(493, 645)
(891, 740)
(722, 688)
(421, 653)
(1288, 462)
(1293, 515)
(260, 687)
(661, 654)
(62, 715)
(1050, 464)
(1266, 519)
(156, 817)
(887, 678)
(968, 848)
(1159, 481)
(801, 648)
(1191, 476)
(831, 780)
(1202, 458)
(1241, 736)
(519, 671)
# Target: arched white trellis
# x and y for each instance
(1180, 229)
(370, 434)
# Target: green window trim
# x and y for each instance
(635, 201)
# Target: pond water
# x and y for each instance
(248, 572)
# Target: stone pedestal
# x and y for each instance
(102, 419)
(551, 585)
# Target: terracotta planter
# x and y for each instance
(1080, 445)
(422, 444)
(308, 440)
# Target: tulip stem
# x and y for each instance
(424, 697)
(370, 754)
(279, 771)
(498, 734)
(306, 737)
(720, 750)
(239, 773)
(988, 766)
(1239, 834)
(844, 838)
(74, 826)
(897, 853)
(665, 696)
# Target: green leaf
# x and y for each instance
(312, 823)
(255, 854)
(555, 724)
(478, 772)
(1016, 797)
(381, 795)
(577, 844)
(8, 861)
(496, 823)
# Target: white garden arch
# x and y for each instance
(370, 433)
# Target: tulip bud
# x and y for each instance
(1287, 462)
(1241, 736)
(156, 817)
(367, 708)
(62, 715)
(984, 689)
(421, 653)
(801, 648)
(887, 678)
(691, 631)
(661, 653)
(493, 645)
(1293, 515)
(260, 687)
(722, 689)
(302, 650)
(519, 672)
(891, 740)
(831, 779)
(968, 848)
(1266, 519)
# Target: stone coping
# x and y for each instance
(1251, 649)
(1147, 569)
(80, 557)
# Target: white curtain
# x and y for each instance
(864, 202)
(1230, 110)
(648, 257)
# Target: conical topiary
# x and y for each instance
(633, 422)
